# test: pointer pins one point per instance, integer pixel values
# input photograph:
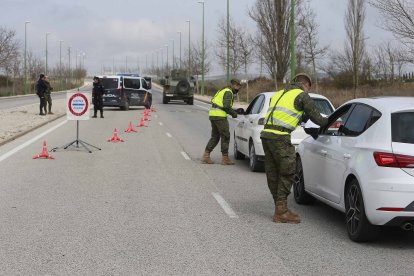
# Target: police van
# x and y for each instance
(126, 90)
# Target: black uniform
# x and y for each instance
(41, 91)
(97, 92)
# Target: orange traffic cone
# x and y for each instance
(146, 117)
(130, 128)
(141, 123)
(44, 154)
(115, 138)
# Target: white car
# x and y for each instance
(362, 163)
(247, 141)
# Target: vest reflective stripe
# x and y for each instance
(284, 114)
(218, 101)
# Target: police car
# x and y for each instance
(126, 90)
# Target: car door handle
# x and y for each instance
(324, 152)
(347, 156)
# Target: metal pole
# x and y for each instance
(25, 55)
(292, 40)
(180, 49)
(60, 63)
(173, 59)
(189, 48)
(46, 54)
(202, 54)
(228, 43)
(168, 72)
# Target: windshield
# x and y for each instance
(402, 127)
(109, 83)
(324, 106)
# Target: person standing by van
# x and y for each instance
(48, 96)
(41, 91)
(97, 100)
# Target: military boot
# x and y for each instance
(102, 114)
(206, 158)
(226, 160)
(94, 114)
(283, 214)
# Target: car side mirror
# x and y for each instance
(240, 111)
(311, 129)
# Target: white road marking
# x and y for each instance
(186, 157)
(25, 144)
(206, 108)
(168, 134)
(226, 207)
(160, 123)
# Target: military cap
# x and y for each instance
(237, 81)
(300, 76)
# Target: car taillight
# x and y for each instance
(385, 159)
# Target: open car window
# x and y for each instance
(336, 120)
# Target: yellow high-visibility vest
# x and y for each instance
(283, 118)
(218, 104)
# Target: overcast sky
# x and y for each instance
(133, 30)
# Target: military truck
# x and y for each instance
(178, 87)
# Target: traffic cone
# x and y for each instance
(115, 138)
(153, 109)
(146, 117)
(44, 154)
(130, 128)
(141, 123)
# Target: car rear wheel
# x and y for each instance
(255, 164)
(237, 154)
(190, 101)
(299, 193)
(357, 225)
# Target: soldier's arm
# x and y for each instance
(304, 102)
(227, 99)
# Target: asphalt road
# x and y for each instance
(148, 206)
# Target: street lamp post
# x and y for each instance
(180, 48)
(166, 46)
(292, 40)
(25, 55)
(228, 43)
(189, 47)
(173, 58)
(60, 62)
(47, 34)
(202, 54)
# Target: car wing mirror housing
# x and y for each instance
(312, 131)
(240, 111)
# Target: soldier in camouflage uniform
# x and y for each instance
(283, 116)
(222, 105)
(48, 95)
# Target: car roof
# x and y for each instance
(312, 95)
(388, 104)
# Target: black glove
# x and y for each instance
(234, 115)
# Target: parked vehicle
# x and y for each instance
(126, 90)
(247, 131)
(362, 164)
(178, 86)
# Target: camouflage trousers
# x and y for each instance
(280, 162)
(48, 102)
(219, 130)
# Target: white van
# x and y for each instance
(126, 90)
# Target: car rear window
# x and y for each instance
(132, 83)
(402, 127)
(324, 106)
(110, 83)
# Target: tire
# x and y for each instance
(237, 154)
(299, 193)
(190, 101)
(357, 225)
(183, 87)
(164, 99)
(255, 164)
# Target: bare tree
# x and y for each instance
(238, 43)
(389, 61)
(9, 48)
(273, 21)
(398, 17)
(309, 40)
(355, 44)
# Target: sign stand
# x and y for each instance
(78, 104)
(78, 141)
